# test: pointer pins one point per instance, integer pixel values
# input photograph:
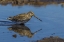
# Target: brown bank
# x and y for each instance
(51, 39)
(31, 2)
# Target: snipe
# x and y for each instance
(23, 18)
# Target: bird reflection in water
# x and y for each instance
(23, 30)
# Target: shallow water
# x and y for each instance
(52, 25)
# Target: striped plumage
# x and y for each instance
(23, 18)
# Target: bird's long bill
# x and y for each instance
(37, 31)
(37, 18)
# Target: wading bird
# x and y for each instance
(23, 18)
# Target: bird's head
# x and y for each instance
(30, 13)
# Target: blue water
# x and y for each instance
(51, 15)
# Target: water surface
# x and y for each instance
(51, 15)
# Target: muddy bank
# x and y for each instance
(51, 39)
(31, 2)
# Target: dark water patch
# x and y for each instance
(14, 35)
(53, 34)
(8, 23)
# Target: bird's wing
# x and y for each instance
(22, 14)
